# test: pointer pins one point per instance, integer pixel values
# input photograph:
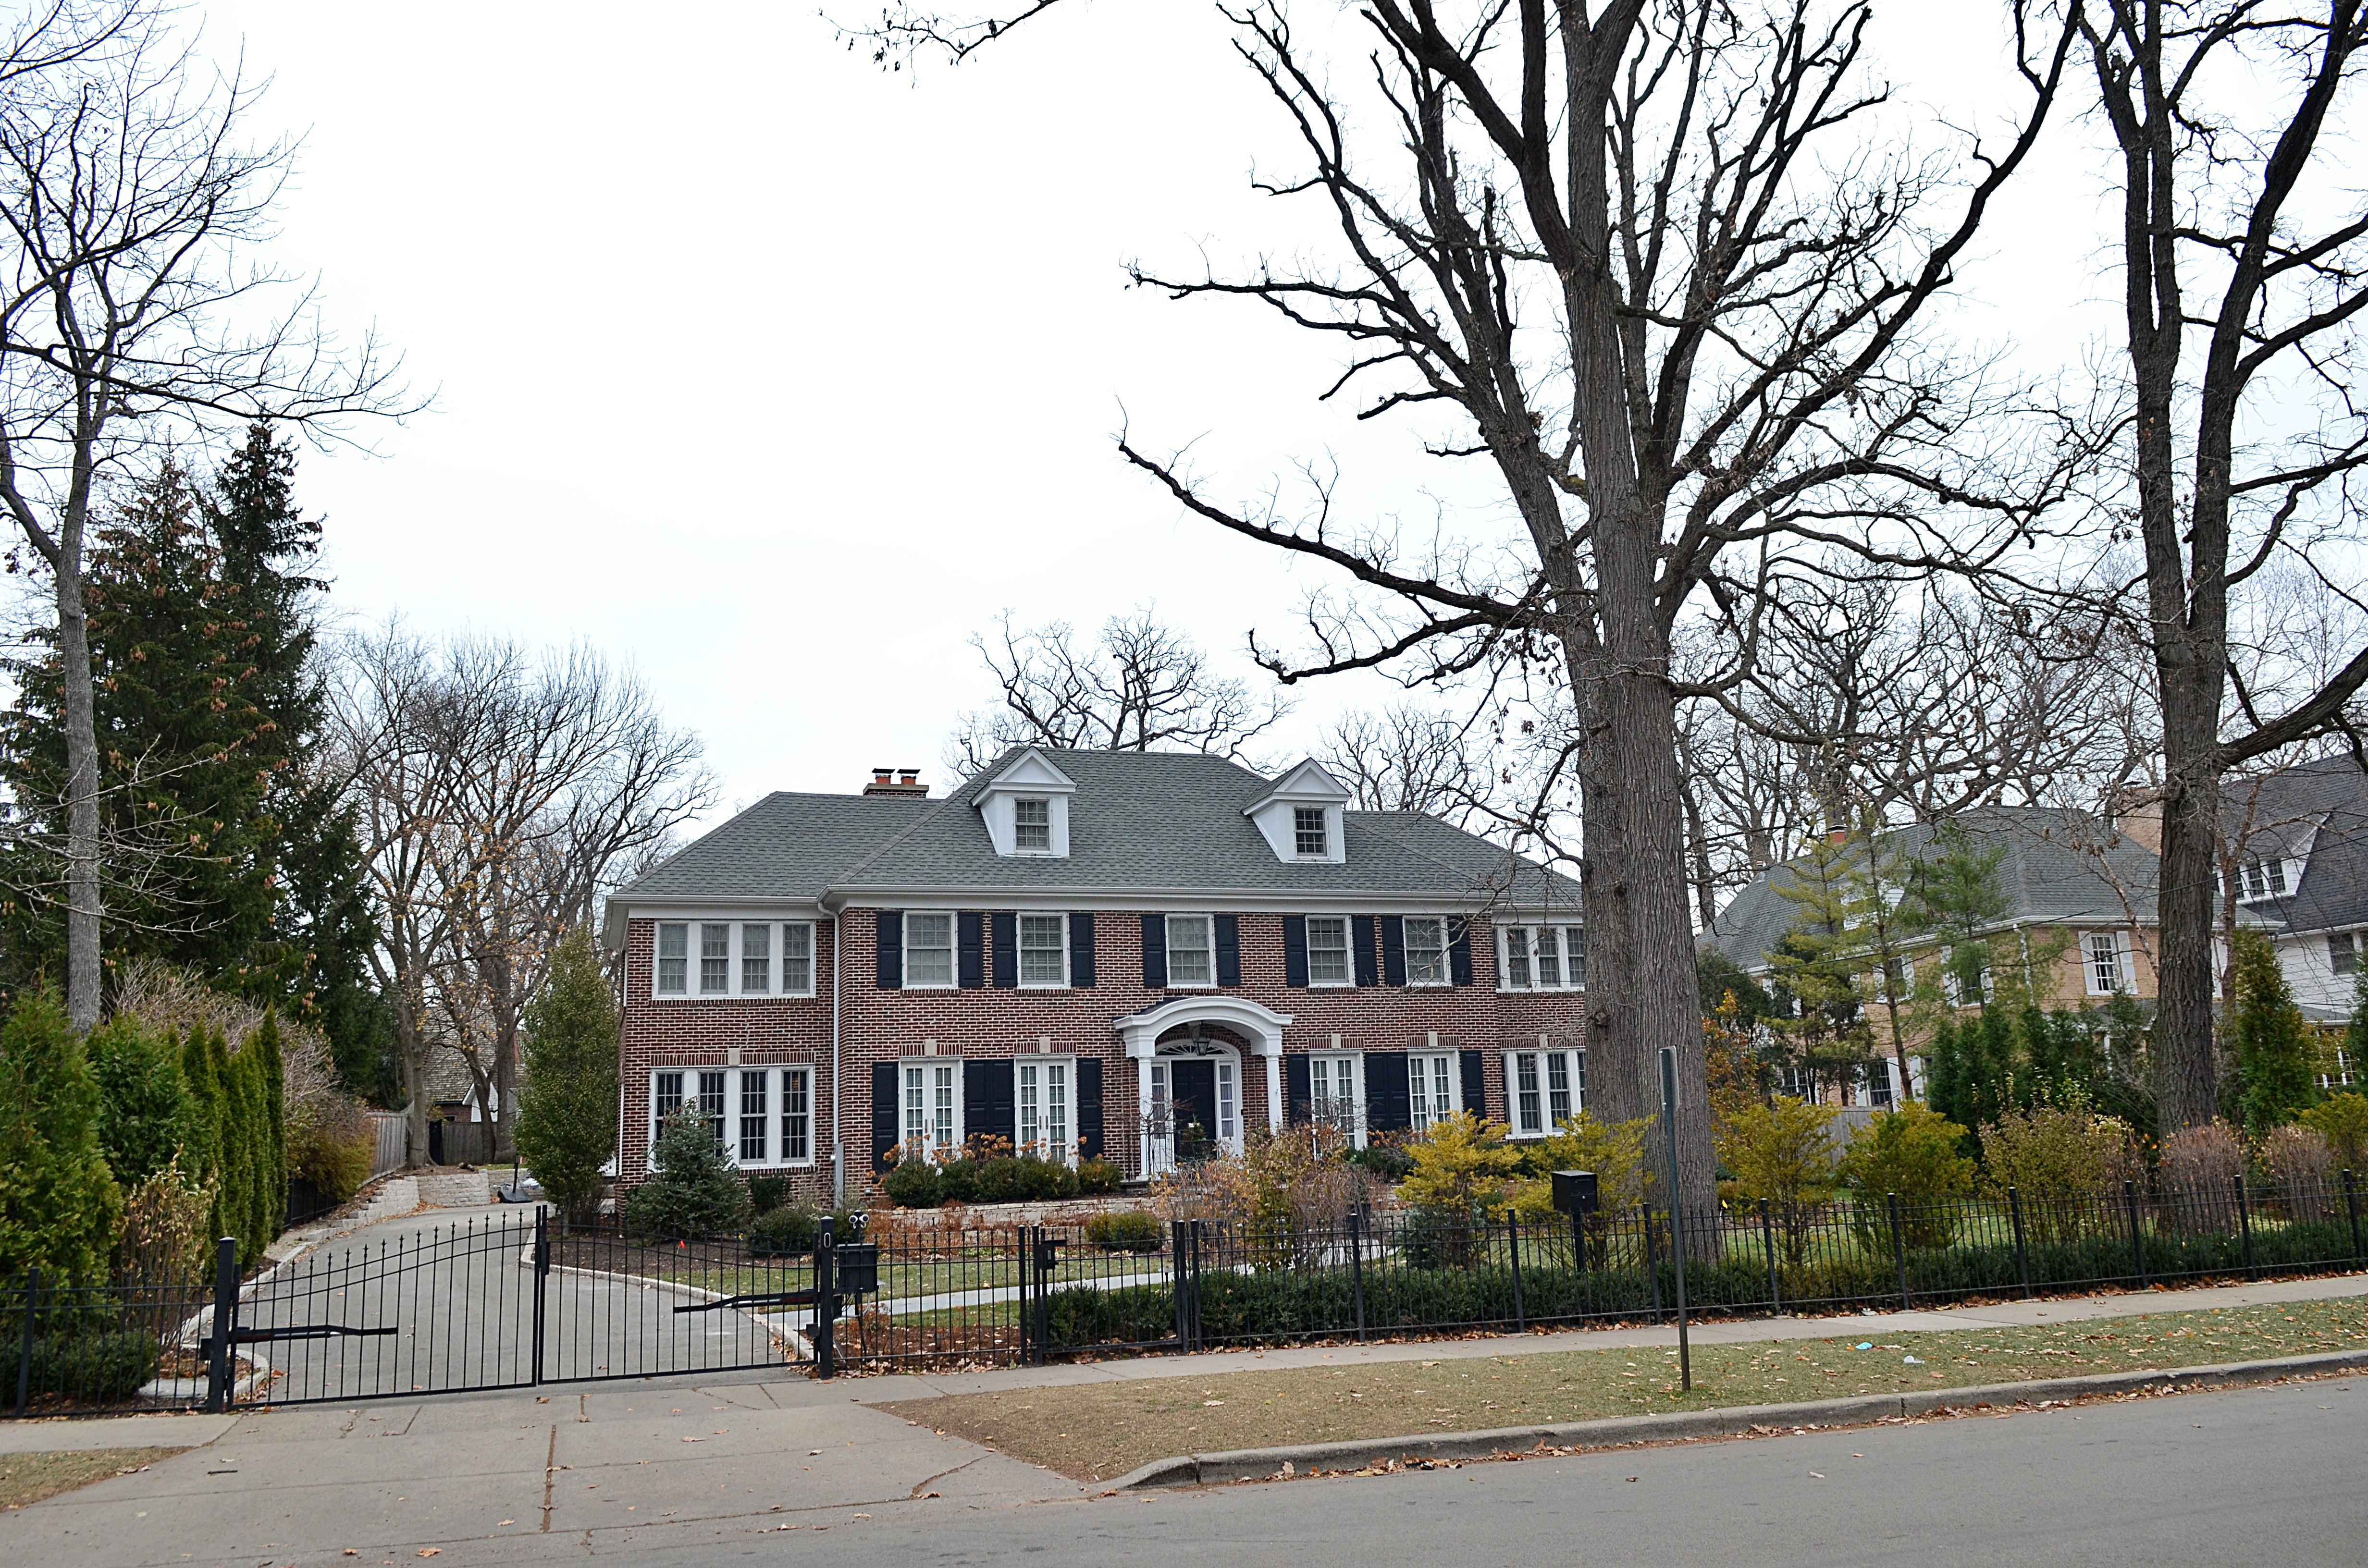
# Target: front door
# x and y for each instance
(1192, 1083)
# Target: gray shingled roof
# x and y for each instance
(2061, 867)
(1139, 820)
(2320, 808)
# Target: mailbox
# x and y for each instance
(856, 1270)
(1575, 1193)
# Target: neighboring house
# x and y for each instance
(2297, 843)
(2080, 893)
(1089, 953)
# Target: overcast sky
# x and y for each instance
(778, 376)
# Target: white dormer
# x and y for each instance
(1027, 807)
(1304, 816)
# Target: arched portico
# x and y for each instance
(1167, 1029)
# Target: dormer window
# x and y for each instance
(1031, 826)
(1025, 808)
(1308, 832)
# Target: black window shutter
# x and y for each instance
(1227, 930)
(970, 950)
(1362, 937)
(1394, 949)
(1089, 1107)
(1388, 1106)
(1294, 952)
(1081, 951)
(1459, 951)
(1155, 952)
(987, 1100)
(1006, 951)
(1476, 1083)
(886, 1114)
(1298, 1094)
(892, 949)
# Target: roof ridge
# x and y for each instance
(847, 873)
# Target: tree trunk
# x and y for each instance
(83, 906)
(2186, 1068)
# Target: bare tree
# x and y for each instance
(1651, 265)
(130, 205)
(2242, 238)
(1140, 685)
(500, 795)
(1408, 758)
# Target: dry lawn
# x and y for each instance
(1106, 1430)
(29, 1478)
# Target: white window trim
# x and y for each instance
(2123, 950)
(1356, 1059)
(1454, 1061)
(1577, 1067)
(1210, 922)
(1348, 951)
(736, 956)
(1045, 850)
(1524, 924)
(953, 950)
(1018, 1144)
(1019, 951)
(776, 1097)
(1446, 950)
(960, 1134)
(1323, 821)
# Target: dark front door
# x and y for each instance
(1193, 1082)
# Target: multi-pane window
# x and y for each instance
(1544, 1088)
(1332, 1083)
(2108, 963)
(1043, 1096)
(665, 1101)
(673, 959)
(1426, 951)
(756, 959)
(714, 959)
(756, 1089)
(797, 960)
(1032, 825)
(1309, 833)
(2264, 879)
(1228, 1102)
(928, 949)
(1191, 956)
(1328, 950)
(2343, 952)
(1542, 958)
(932, 1106)
(710, 1104)
(1043, 949)
(797, 1115)
(1433, 1087)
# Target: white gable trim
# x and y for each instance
(1029, 776)
(1276, 812)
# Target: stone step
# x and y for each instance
(455, 1189)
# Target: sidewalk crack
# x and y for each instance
(943, 1473)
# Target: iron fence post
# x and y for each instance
(2021, 1253)
(826, 1337)
(2137, 1235)
(1176, 1280)
(225, 1324)
(1898, 1249)
(1652, 1259)
(1521, 1306)
(1768, 1240)
(1677, 1214)
(2245, 1225)
(1357, 1264)
(2352, 1207)
(542, 1276)
(24, 1350)
(1025, 1256)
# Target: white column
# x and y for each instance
(1143, 1111)
(1274, 1086)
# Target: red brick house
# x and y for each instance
(1089, 953)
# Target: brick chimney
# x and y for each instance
(897, 781)
(2134, 810)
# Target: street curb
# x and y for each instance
(1261, 1464)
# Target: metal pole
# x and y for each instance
(25, 1352)
(1676, 1213)
(2352, 1207)
(1520, 1308)
(1176, 1283)
(1899, 1251)
(225, 1324)
(2245, 1225)
(1652, 1259)
(2021, 1253)
(1357, 1264)
(1027, 1311)
(1768, 1240)
(825, 1305)
(542, 1275)
(2137, 1238)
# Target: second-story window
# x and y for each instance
(1044, 951)
(1327, 950)
(928, 949)
(1309, 835)
(1032, 825)
(1191, 957)
(756, 959)
(673, 959)
(797, 960)
(1426, 951)
(1542, 958)
(715, 958)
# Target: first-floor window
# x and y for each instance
(797, 1115)
(664, 1102)
(754, 1115)
(1334, 1090)
(1545, 1089)
(1042, 1093)
(1228, 1101)
(1426, 951)
(1328, 950)
(770, 1110)
(710, 1104)
(1434, 1088)
(933, 1107)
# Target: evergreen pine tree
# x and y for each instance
(201, 1145)
(145, 1107)
(1817, 963)
(567, 1112)
(2268, 1037)
(59, 1202)
(271, 1152)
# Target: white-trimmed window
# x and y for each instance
(2112, 966)
(1543, 1089)
(796, 1146)
(1541, 958)
(761, 1116)
(933, 1106)
(1336, 1092)
(1328, 951)
(1041, 1106)
(1191, 950)
(2262, 879)
(929, 951)
(711, 1107)
(1310, 835)
(665, 1098)
(755, 960)
(1031, 826)
(673, 959)
(1426, 949)
(1043, 949)
(1434, 1087)
(756, 1116)
(797, 959)
(715, 957)
(2343, 953)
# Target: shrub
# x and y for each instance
(1912, 1152)
(913, 1184)
(1462, 1165)
(1781, 1152)
(1023, 1179)
(1388, 1161)
(2342, 1120)
(567, 1108)
(143, 1103)
(2056, 1152)
(97, 1363)
(1129, 1231)
(766, 1193)
(2303, 1167)
(164, 1232)
(958, 1180)
(1097, 1176)
(332, 1147)
(2204, 1159)
(693, 1189)
(2266, 1036)
(1615, 1151)
(59, 1204)
(786, 1230)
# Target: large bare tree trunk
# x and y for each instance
(83, 991)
